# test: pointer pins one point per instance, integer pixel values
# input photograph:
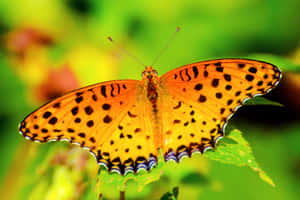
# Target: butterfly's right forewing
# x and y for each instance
(199, 99)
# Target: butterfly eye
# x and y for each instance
(154, 72)
(143, 73)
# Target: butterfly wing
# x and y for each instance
(109, 118)
(199, 98)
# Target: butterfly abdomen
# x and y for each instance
(153, 95)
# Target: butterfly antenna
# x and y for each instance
(166, 47)
(126, 52)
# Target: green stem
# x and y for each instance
(122, 195)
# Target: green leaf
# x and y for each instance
(261, 101)
(118, 182)
(239, 154)
(171, 195)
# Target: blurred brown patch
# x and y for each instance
(60, 158)
(20, 40)
(296, 168)
(58, 82)
(288, 91)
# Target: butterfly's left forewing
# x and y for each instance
(109, 118)
(198, 99)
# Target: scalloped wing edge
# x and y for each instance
(140, 164)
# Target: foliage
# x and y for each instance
(171, 195)
(234, 149)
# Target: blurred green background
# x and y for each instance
(50, 47)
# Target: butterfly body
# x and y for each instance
(152, 88)
(124, 123)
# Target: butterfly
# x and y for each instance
(124, 123)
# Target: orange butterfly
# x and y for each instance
(125, 122)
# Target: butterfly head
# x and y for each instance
(149, 72)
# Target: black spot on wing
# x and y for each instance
(215, 82)
(202, 98)
(112, 90)
(187, 74)
(47, 114)
(252, 70)
(74, 110)
(56, 105)
(218, 64)
(228, 87)
(238, 93)
(44, 130)
(219, 95)
(198, 86)
(205, 73)
(259, 83)
(106, 106)
(178, 106)
(79, 93)
(119, 89)
(103, 91)
(107, 119)
(82, 135)
(70, 130)
(92, 139)
(249, 77)
(219, 69)
(249, 88)
(137, 130)
(176, 121)
(180, 74)
(79, 99)
(241, 65)
(196, 72)
(53, 120)
(94, 97)
(77, 120)
(90, 123)
(88, 110)
(227, 77)
(131, 115)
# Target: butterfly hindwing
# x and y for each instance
(199, 99)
